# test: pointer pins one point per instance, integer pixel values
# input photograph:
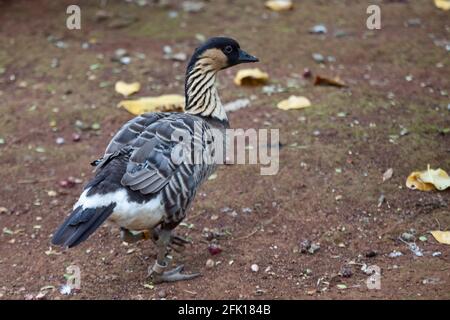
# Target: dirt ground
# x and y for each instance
(394, 114)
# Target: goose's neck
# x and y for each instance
(202, 97)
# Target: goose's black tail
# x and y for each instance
(81, 224)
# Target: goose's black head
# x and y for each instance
(220, 53)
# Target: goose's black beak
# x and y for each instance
(244, 57)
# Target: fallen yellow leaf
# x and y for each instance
(294, 102)
(441, 236)
(336, 81)
(251, 77)
(127, 89)
(279, 5)
(442, 4)
(439, 178)
(428, 180)
(413, 182)
(169, 102)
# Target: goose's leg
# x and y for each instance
(177, 242)
(130, 236)
(157, 271)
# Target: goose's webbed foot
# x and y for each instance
(157, 272)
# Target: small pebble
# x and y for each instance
(414, 22)
(172, 14)
(76, 137)
(167, 50)
(125, 60)
(80, 124)
(318, 58)
(395, 254)
(119, 53)
(408, 236)
(200, 37)
(415, 249)
(52, 193)
(210, 264)
(66, 184)
(61, 44)
(181, 56)
(404, 132)
(142, 3)
(436, 254)
(60, 140)
(55, 63)
(431, 281)
(340, 34)
(314, 248)
(162, 293)
(193, 6)
(318, 29)
(234, 214)
(65, 289)
(305, 245)
(346, 271)
(254, 267)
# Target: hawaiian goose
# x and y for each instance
(139, 184)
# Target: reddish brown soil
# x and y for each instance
(328, 186)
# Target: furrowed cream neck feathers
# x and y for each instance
(202, 97)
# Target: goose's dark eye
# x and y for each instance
(228, 49)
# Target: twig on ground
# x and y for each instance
(31, 181)
(258, 228)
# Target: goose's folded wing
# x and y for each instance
(127, 135)
(159, 159)
(157, 162)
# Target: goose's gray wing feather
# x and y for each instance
(156, 163)
(133, 129)
(126, 136)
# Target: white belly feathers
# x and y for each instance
(127, 214)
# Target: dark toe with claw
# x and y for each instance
(172, 275)
(180, 240)
(178, 243)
